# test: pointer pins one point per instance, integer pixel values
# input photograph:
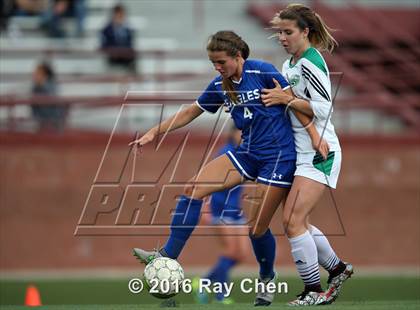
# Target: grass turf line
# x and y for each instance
(358, 293)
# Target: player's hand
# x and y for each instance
(274, 96)
(148, 137)
(322, 147)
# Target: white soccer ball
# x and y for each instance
(163, 276)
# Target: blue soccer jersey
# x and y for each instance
(263, 128)
(267, 153)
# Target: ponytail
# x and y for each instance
(322, 37)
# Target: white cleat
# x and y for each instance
(146, 256)
(309, 299)
(264, 298)
(335, 284)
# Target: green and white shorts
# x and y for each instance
(312, 166)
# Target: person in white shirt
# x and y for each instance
(302, 32)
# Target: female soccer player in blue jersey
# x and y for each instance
(301, 32)
(266, 155)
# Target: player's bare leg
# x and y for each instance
(217, 175)
(272, 196)
(270, 199)
(303, 197)
(234, 241)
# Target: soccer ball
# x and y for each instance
(163, 276)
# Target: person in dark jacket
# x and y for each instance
(49, 116)
(117, 40)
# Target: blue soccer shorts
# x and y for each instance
(266, 169)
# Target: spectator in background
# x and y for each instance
(21, 8)
(6, 10)
(30, 7)
(57, 10)
(117, 40)
(48, 116)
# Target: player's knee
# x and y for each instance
(240, 255)
(293, 225)
(188, 190)
(241, 251)
(237, 256)
(193, 192)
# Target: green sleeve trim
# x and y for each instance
(313, 56)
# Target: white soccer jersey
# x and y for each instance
(310, 80)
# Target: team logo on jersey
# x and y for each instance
(294, 80)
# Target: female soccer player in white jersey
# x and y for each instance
(267, 153)
(302, 32)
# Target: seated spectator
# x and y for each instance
(52, 19)
(117, 40)
(7, 8)
(48, 116)
(30, 7)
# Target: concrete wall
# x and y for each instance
(45, 182)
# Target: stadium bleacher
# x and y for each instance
(380, 63)
(379, 52)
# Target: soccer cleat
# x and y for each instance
(309, 299)
(169, 303)
(225, 301)
(264, 298)
(146, 256)
(335, 284)
(199, 297)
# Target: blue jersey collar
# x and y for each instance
(242, 76)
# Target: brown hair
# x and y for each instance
(231, 43)
(319, 33)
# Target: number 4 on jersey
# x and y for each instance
(247, 113)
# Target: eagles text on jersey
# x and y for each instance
(263, 128)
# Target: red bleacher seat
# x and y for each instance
(379, 51)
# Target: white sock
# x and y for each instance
(305, 255)
(326, 255)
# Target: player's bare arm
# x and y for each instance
(277, 96)
(178, 120)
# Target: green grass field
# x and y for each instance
(375, 293)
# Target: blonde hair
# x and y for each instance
(231, 43)
(319, 33)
